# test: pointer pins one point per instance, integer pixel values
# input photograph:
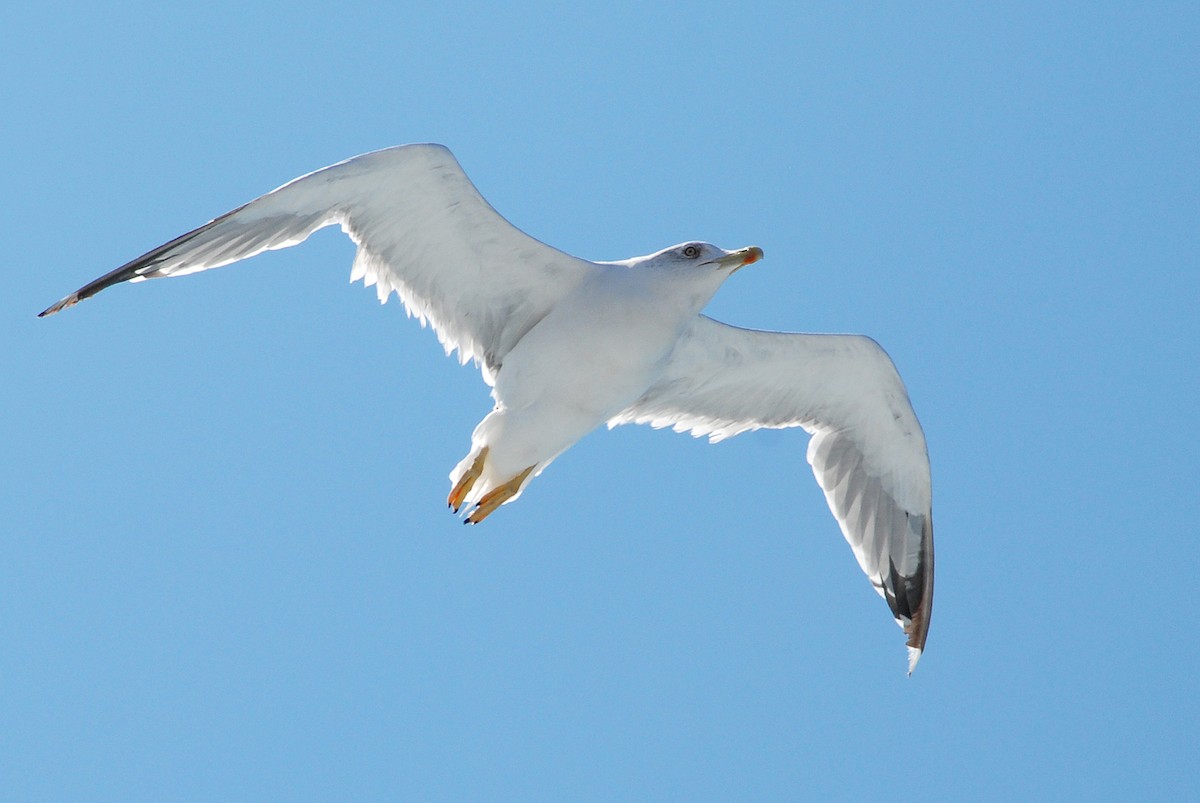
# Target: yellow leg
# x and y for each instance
(497, 497)
(463, 487)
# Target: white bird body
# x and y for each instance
(576, 369)
(568, 344)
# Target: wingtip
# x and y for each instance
(914, 655)
(917, 630)
(69, 301)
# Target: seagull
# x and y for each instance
(567, 345)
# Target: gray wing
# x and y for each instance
(422, 230)
(867, 451)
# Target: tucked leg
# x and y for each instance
(497, 497)
(467, 481)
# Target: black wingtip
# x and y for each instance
(69, 301)
(921, 612)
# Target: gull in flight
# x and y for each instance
(566, 345)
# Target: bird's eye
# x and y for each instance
(691, 252)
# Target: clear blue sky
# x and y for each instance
(228, 570)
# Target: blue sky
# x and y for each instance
(228, 570)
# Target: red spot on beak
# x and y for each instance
(752, 255)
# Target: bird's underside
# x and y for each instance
(568, 344)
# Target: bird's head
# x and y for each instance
(689, 274)
(697, 256)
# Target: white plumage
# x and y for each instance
(568, 344)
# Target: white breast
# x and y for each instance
(599, 349)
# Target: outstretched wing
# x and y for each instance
(422, 230)
(867, 451)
